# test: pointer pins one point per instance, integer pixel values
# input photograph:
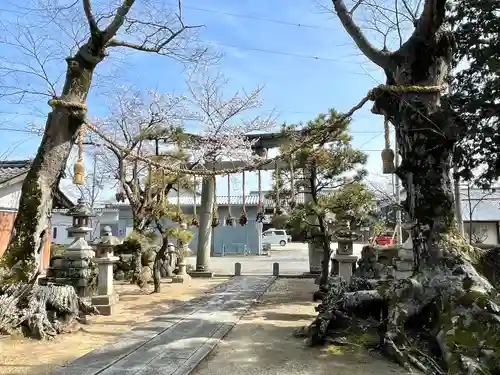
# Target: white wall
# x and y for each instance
(10, 195)
(485, 230)
(61, 222)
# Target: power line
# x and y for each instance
(289, 54)
(265, 19)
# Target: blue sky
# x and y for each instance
(305, 70)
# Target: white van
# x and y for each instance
(275, 237)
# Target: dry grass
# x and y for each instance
(20, 356)
(262, 342)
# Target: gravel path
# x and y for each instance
(262, 343)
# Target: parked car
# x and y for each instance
(275, 237)
(385, 239)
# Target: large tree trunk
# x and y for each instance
(445, 318)
(32, 224)
(161, 256)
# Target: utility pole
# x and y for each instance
(92, 198)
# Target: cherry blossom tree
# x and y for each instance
(38, 37)
(146, 26)
(153, 127)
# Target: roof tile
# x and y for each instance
(13, 168)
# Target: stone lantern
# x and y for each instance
(345, 258)
(106, 297)
(73, 267)
(81, 214)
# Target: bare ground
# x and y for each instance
(262, 343)
(20, 356)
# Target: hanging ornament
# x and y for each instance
(260, 211)
(79, 167)
(120, 195)
(194, 222)
(229, 218)
(387, 153)
(215, 213)
(179, 212)
(243, 217)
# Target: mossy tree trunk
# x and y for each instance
(32, 223)
(445, 317)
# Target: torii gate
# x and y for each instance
(262, 143)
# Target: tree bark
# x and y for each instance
(445, 318)
(160, 256)
(425, 136)
(32, 223)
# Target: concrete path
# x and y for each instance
(174, 343)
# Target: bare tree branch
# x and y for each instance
(378, 57)
(118, 21)
(87, 7)
(431, 19)
(143, 47)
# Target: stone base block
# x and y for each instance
(106, 309)
(180, 279)
(403, 274)
(403, 265)
(405, 254)
(105, 304)
(201, 274)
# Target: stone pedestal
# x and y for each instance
(345, 264)
(315, 258)
(106, 297)
(181, 276)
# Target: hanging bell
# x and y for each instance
(388, 161)
(78, 173)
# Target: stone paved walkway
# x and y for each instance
(174, 343)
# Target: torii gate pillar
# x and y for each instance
(205, 229)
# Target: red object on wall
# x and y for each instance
(6, 223)
(384, 239)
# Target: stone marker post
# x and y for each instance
(237, 269)
(276, 269)
(106, 297)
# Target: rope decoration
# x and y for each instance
(243, 217)
(260, 213)
(373, 94)
(194, 222)
(387, 153)
(79, 167)
(179, 214)
(229, 219)
(215, 213)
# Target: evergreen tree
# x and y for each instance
(476, 88)
(325, 170)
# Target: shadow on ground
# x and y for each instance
(262, 341)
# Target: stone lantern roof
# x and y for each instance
(107, 239)
(81, 209)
